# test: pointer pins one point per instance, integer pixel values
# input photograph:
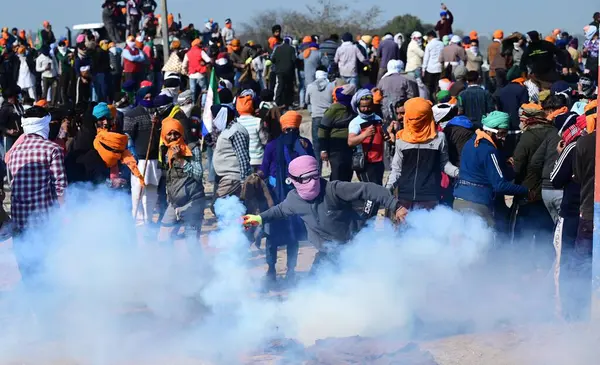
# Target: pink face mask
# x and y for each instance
(310, 189)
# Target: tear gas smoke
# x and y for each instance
(105, 298)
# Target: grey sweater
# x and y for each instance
(330, 217)
(319, 97)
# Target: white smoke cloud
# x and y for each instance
(117, 296)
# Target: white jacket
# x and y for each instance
(42, 63)
(431, 60)
(414, 56)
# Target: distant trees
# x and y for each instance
(329, 17)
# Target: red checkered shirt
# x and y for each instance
(38, 178)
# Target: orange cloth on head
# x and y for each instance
(376, 41)
(196, 42)
(170, 19)
(307, 39)
(419, 125)
(245, 105)
(42, 102)
(498, 34)
(473, 35)
(550, 39)
(560, 111)
(236, 42)
(172, 124)
(591, 113)
(307, 51)
(533, 106)
(117, 144)
(290, 119)
(377, 96)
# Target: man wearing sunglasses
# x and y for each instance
(325, 207)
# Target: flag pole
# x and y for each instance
(165, 30)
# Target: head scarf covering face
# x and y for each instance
(38, 126)
(419, 126)
(139, 97)
(112, 148)
(290, 119)
(244, 105)
(302, 167)
(172, 124)
(360, 95)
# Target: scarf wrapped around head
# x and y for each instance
(290, 119)
(172, 124)
(443, 112)
(311, 46)
(139, 97)
(531, 114)
(38, 126)
(112, 148)
(394, 67)
(343, 94)
(360, 94)
(245, 104)
(101, 111)
(419, 125)
(222, 113)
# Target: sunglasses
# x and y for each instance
(304, 179)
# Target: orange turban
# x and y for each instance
(498, 34)
(550, 39)
(473, 35)
(419, 125)
(245, 105)
(591, 113)
(42, 102)
(172, 124)
(196, 42)
(170, 19)
(290, 119)
(112, 148)
(175, 44)
(307, 39)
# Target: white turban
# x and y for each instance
(455, 39)
(321, 75)
(39, 126)
(394, 67)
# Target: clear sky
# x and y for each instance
(482, 15)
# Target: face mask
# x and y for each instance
(146, 104)
(62, 50)
(309, 190)
(475, 50)
(131, 44)
(290, 137)
(420, 42)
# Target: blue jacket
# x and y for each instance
(481, 174)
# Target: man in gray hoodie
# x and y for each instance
(327, 208)
(319, 97)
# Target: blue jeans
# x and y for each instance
(351, 80)
(100, 89)
(197, 86)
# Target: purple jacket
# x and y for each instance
(388, 50)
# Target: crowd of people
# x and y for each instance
(453, 126)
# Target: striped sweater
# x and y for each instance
(257, 149)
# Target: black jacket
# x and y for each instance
(10, 117)
(583, 173)
(530, 141)
(562, 178)
(284, 59)
(457, 137)
(540, 57)
(88, 167)
(543, 160)
(100, 62)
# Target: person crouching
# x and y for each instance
(185, 191)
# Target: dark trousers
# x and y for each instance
(412, 205)
(534, 228)
(341, 166)
(431, 81)
(101, 87)
(114, 86)
(316, 122)
(284, 91)
(64, 83)
(291, 249)
(134, 24)
(373, 173)
(49, 83)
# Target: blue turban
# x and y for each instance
(101, 111)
